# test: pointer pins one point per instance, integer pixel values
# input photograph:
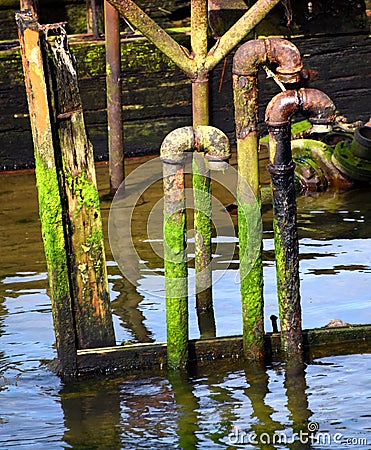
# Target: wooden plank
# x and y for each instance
(318, 342)
(50, 202)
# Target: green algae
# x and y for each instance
(175, 265)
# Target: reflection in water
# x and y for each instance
(297, 402)
(211, 408)
(186, 407)
(200, 410)
(262, 422)
(92, 414)
(125, 307)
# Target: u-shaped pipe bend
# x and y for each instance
(315, 103)
(207, 139)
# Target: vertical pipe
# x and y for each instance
(251, 272)
(50, 204)
(175, 264)
(32, 5)
(246, 62)
(114, 108)
(94, 17)
(201, 173)
(286, 243)
(278, 115)
(281, 168)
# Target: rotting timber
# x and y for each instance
(317, 343)
(68, 195)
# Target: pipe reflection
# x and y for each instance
(297, 401)
(92, 414)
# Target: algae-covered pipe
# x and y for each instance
(175, 265)
(246, 63)
(279, 111)
(216, 146)
(213, 150)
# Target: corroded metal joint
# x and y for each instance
(175, 144)
(320, 107)
(287, 56)
(281, 108)
(279, 51)
(207, 139)
(281, 169)
(213, 142)
(314, 102)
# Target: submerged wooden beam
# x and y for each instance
(317, 343)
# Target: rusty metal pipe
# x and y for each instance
(246, 63)
(114, 100)
(317, 104)
(278, 115)
(214, 143)
(271, 50)
(206, 139)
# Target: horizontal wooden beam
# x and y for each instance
(318, 342)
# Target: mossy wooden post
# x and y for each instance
(88, 271)
(50, 205)
(68, 195)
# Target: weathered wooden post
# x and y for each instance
(65, 167)
(114, 107)
(50, 202)
(88, 271)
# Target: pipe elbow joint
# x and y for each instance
(215, 144)
(207, 139)
(317, 104)
(320, 107)
(249, 56)
(284, 53)
(281, 108)
(175, 144)
(287, 56)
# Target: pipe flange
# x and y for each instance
(281, 169)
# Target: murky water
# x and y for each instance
(215, 406)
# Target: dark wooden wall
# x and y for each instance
(157, 96)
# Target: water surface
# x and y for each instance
(215, 406)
